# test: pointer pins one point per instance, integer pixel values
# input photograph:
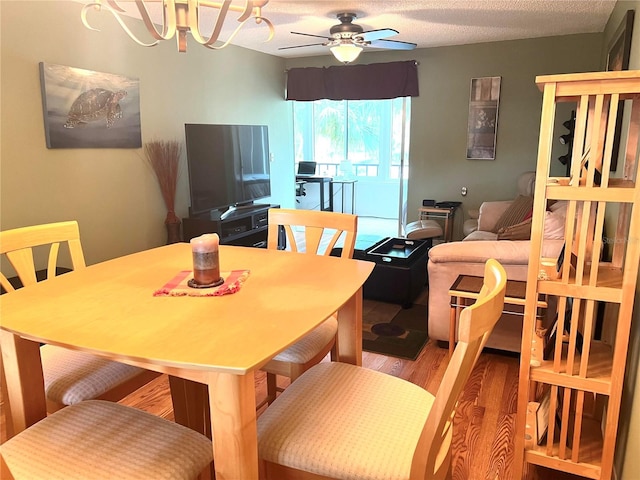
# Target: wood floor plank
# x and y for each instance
(493, 385)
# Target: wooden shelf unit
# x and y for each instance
(595, 289)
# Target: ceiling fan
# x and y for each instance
(347, 39)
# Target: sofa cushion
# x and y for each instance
(490, 212)
(516, 212)
(506, 252)
(480, 235)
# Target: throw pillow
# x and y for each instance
(519, 231)
(516, 212)
(554, 221)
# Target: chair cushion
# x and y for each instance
(98, 440)
(308, 346)
(71, 376)
(344, 421)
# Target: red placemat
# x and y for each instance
(177, 286)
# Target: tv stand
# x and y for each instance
(234, 208)
(243, 225)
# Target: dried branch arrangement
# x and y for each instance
(164, 158)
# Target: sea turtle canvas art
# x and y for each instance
(95, 104)
(87, 109)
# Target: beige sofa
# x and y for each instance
(467, 257)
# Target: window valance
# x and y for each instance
(376, 81)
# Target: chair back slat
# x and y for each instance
(4, 282)
(53, 259)
(475, 325)
(18, 244)
(322, 230)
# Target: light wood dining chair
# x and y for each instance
(97, 439)
(322, 230)
(340, 421)
(69, 376)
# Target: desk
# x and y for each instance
(322, 181)
(353, 192)
(468, 287)
(109, 309)
(444, 213)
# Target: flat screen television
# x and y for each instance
(228, 166)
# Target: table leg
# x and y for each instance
(233, 422)
(350, 330)
(190, 404)
(453, 313)
(321, 186)
(353, 198)
(22, 367)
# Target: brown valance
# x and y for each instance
(376, 81)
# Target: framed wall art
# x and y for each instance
(87, 109)
(482, 126)
(618, 59)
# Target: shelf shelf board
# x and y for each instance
(589, 464)
(608, 287)
(598, 379)
(622, 192)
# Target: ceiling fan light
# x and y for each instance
(346, 52)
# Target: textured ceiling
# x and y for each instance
(429, 23)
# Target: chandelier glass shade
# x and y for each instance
(182, 16)
(346, 52)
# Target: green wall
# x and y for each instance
(112, 192)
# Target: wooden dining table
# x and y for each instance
(109, 309)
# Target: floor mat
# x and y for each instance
(396, 333)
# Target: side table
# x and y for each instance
(467, 287)
(342, 183)
(441, 212)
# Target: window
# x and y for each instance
(361, 138)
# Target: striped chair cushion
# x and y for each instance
(105, 440)
(71, 377)
(344, 421)
(308, 346)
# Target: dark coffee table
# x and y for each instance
(400, 273)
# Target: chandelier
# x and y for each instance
(182, 16)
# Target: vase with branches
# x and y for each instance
(164, 158)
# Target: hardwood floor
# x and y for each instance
(483, 426)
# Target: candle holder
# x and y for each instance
(206, 262)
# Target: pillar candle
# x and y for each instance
(206, 262)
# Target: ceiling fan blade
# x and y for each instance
(373, 35)
(311, 35)
(298, 46)
(393, 45)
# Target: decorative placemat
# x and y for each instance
(177, 287)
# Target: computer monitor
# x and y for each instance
(306, 168)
